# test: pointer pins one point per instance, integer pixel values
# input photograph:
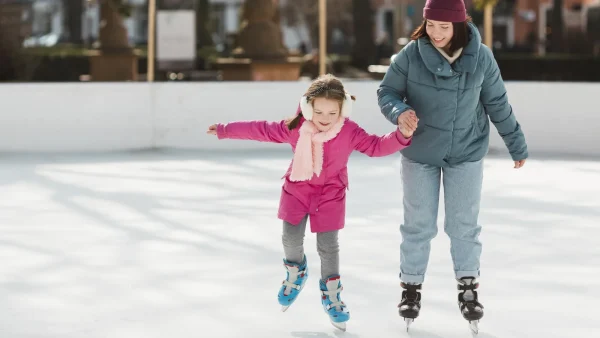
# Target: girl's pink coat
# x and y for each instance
(323, 197)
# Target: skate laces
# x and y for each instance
(410, 298)
(412, 295)
(467, 287)
(411, 292)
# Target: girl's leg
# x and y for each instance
(421, 186)
(294, 263)
(330, 283)
(329, 251)
(293, 241)
(462, 195)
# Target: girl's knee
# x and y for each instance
(327, 243)
(292, 241)
(332, 248)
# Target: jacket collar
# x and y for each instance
(466, 63)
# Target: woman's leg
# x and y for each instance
(462, 195)
(421, 186)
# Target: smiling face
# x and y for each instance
(440, 33)
(326, 113)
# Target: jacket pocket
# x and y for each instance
(475, 125)
(481, 120)
(429, 128)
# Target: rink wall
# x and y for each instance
(89, 117)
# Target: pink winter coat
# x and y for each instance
(323, 197)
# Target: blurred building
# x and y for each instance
(397, 18)
(519, 25)
(48, 20)
(16, 21)
(533, 20)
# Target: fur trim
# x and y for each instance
(308, 111)
(306, 108)
(308, 154)
(347, 106)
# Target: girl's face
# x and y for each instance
(326, 113)
(440, 32)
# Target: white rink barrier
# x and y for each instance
(559, 118)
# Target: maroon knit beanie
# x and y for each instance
(445, 10)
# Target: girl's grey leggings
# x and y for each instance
(327, 247)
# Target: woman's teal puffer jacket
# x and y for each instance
(452, 102)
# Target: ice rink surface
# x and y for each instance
(187, 244)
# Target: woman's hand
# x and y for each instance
(212, 130)
(519, 164)
(407, 123)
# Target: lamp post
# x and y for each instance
(151, 39)
(322, 37)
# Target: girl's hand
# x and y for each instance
(407, 123)
(519, 164)
(212, 130)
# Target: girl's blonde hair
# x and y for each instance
(326, 86)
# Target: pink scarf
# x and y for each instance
(308, 155)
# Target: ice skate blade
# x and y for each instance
(408, 321)
(284, 308)
(339, 326)
(474, 326)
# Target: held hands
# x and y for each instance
(407, 123)
(212, 130)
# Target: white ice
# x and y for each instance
(187, 244)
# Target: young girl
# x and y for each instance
(322, 138)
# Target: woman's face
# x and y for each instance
(440, 32)
(326, 113)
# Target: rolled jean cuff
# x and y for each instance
(461, 274)
(412, 279)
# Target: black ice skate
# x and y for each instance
(410, 305)
(468, 302)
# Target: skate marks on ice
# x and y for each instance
(307, 334)
(129, 236)
(483, 334)
(336, 334)
(415, 332)
(152, 242)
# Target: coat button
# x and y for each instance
(439, 69)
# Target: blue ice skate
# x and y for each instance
(293, 284)
(332, 303)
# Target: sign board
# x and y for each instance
(573, 19)
(175, 39)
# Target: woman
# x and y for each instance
(452, 82)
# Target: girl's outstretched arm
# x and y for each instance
(263, 131)
(378, 146)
